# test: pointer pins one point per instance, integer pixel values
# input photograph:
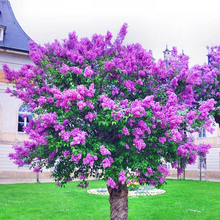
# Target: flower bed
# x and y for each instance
(142, 191)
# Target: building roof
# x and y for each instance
(14, 36)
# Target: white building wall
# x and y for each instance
(13, 60)
(5, 163)
(8, 129)
(193, 166)
(9, 110)
(9, 106)
(213, 159)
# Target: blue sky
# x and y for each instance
(190, 25)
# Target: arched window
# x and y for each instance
(24, 116)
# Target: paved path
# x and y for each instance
(197, 178)
(14, 181)
(42, 180)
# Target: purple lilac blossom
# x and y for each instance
(104, 150)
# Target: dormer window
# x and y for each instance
(2, 32)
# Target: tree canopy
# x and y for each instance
(104, 108)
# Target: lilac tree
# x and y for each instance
(208, 81)
(103, 108)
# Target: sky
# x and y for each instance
(190, 25)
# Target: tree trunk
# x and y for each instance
(38, 180)
(119, 203)
(200, 168)
(217, 118)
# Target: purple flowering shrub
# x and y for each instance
(100, 107)
(208, 81)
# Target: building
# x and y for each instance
(14, 51)
(211, 166)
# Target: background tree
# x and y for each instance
(101, 106)
(208, 77)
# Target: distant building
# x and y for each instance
(211, 166)
(14, 51)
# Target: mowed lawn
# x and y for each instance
(184, 199)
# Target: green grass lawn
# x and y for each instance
(183, 200)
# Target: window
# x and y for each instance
(2, 32)
(167, 165)
(24, 116)
(202, 133)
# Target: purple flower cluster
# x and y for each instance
(69, 97)
(90, 116)
(107, 162)
(138, 111)
(188, 151)
(163, 170)
(107, 102)
(89, 159)
(115, 91)
(205, 107)
(139, 143)
(191, 116)
(82, 176)
(88, 72)
(41, 100)
(64, 68)
(104, 151)
(111, 183)
(22, 153)
(125, 131)
(176, 136)
(108, 65)
(122, 177)
(65, 153)
(149, 171)
(48, 119)
(37, 169)
(52, 154)
(162, 140)
(78, 136)
(203, 149)
(76, 158)
(117, 115)
(121, 36)
(130, 85)
(18, 156)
